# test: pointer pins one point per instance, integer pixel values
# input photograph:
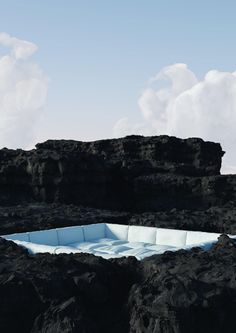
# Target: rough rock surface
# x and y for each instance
(39, 216)
(63, 293)
(177, 292)
(153, 181)
(186, 291)
(134, 173)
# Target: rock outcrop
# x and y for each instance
(154, 181)
(40, 216)
(134, 174)
(177, 292)
(186, 291)
(63, 293)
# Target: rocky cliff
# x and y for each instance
(155, 181)
(133, 174)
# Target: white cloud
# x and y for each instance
(20, 49)
(23, 91)
(177, 103)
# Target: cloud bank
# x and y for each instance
(23, 91)
(176, 103)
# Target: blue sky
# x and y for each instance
(99, 54)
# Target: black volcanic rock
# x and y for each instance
(63, 293)
(177, 292)
(163, 192)
(186, 292)
(154, 181)
(132, 173)
(140, 155)
(40, 216)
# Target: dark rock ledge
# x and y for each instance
(133, 174)
(154, 181)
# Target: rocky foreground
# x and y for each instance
(185, 291)
(154, 181)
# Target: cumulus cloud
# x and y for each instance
(176, 103)
(23, 91)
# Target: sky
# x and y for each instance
(95, 69)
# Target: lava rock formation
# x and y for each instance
(154, 181)
(134, 173)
